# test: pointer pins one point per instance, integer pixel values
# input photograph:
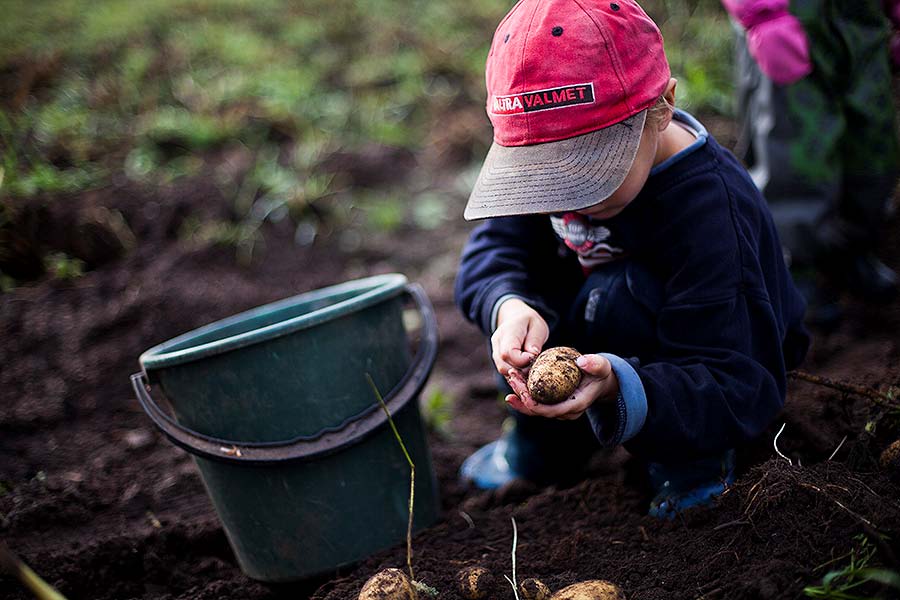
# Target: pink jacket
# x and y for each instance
(776, 40)
(892, 10)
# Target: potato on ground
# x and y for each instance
(533, 589)
(475, 583)
(596, 589)
(890, 457)
(554, 375)
(389, 584)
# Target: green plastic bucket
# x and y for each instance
(294, 450)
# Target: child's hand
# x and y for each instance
(598, 384)
(520, 335)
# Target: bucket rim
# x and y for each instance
(329, 439)
(379, 288)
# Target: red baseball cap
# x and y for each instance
(568, 87)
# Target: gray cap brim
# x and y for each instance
(562, 176)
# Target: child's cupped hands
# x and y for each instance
(598, 384)
(520, 335)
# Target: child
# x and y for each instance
(621, 228)
(815, 97)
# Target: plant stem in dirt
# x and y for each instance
(11, 564)
(412, 476)
(512, 581)
(775, 445)
(880, 398)
(837, 585)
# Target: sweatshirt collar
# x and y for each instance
(698, 129)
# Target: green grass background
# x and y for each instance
(149, 89)
(156, 91)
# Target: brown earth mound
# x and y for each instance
(101, 505)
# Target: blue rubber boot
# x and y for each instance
(488, 467)
(823, 307)
(543, 451)
(685, 485)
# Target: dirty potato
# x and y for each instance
(533, 589)
(596, 589)
(890, 457)
(389, 584)
(554, 375)
(475, 583)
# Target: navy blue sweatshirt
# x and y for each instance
(685, 291)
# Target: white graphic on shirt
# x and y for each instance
(589, 240)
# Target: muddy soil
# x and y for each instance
(104, 507)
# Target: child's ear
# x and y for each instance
(669, 95)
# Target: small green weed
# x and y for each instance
(242, 236)
(892, 411)
(430, 210)
(179, 126)
(45, 178)
(384, 214)
(62, 266)
(437, 410)
(844, 584)
(7, 283)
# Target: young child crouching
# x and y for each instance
(618, 226)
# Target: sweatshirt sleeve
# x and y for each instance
(617, 422)
(510, 256)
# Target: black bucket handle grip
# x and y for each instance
(327, 441)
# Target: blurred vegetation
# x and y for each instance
(292, 108)
(437, 411)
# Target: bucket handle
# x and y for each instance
(326, 442)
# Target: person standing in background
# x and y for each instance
(820, 139)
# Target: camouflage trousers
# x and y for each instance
(824, 150)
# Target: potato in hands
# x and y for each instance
(554, 376)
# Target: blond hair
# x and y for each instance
(660, 110)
